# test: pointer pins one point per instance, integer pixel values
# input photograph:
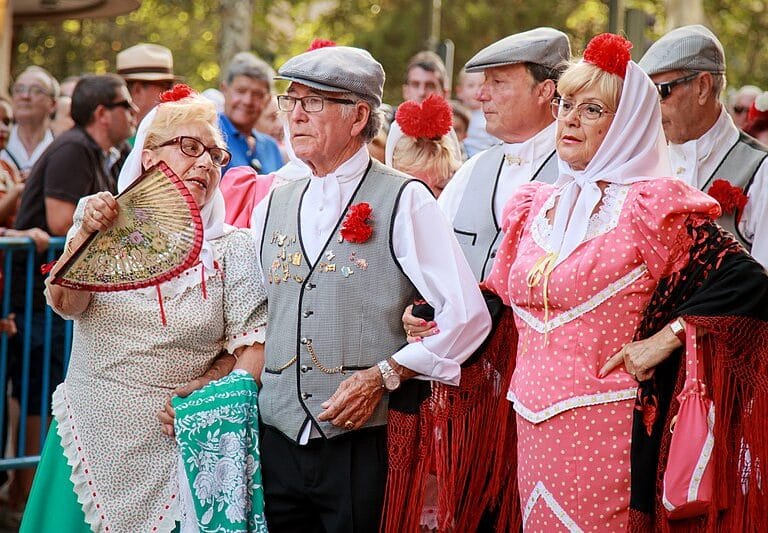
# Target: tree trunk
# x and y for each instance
(236, 27)
(684, 12)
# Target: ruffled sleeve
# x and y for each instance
(245, 300)
(515, 216)
(661, 211)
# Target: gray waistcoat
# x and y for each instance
(346, 307)
(739, 168)
(475, 224)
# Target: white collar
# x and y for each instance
(712, 139)
(351, 168)
(538, 146)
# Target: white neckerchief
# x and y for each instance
(527, 153)
(634, 149)
(694, 161)
(212, 212)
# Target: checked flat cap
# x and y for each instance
(338, 69)
(544, 46)
(687, 48)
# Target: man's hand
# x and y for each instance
(417, 328)
(221, 367)
(354, 401)
(641, 357)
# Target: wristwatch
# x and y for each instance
(390, 378)
(678, 329)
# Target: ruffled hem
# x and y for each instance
(247, 338)
(84, 483)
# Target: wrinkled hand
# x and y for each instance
(354, 400)
(100, 212)
(417, 328)
(641, 357)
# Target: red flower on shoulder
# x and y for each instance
(730, 197)
(357, 226)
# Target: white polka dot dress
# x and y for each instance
(574, 429)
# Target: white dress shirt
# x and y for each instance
(524, 159)
(428, 253)
(20, 156)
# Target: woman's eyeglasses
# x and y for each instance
(587, 111)
(195, 148)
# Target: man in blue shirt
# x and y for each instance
(247, 88)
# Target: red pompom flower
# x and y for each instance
(357, 226)
(176, 93)
(320, 43)
(731, 198)
(610, 52)
(430, 120)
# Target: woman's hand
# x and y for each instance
(417, 328)
(100, 212)
(641, 357)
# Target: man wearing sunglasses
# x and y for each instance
(688, 67)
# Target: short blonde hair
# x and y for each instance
(437, 158)
(170, 115)
(582, 76)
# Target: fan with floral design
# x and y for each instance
(157, 235)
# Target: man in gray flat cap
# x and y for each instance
(342, 253)
(521, 72)
(688, 67)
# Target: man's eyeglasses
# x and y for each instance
(195, 148)
(122, 103)
(665, 87)
(19, 89)
(587, 111)
(310, 104)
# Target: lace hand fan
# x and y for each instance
(158, 234)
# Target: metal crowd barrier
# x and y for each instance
(10, 247)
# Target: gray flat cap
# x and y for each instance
(338, 69)
(687, 48)
(544, 46)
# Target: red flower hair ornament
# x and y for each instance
(320, 43)
(731, 198)
(357, 226)
(610, 52)
(431, 119)
(176, 93)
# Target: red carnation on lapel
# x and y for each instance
(730, 197)
(357, 226)
(609, 52)
(320, 43)
(176, 93)
(429, 120)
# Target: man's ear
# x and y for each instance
(363, 111)
(546, 90)
(704, 85)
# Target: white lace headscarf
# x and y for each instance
(212, 212)
(634, 149)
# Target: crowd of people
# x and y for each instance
(456, 315)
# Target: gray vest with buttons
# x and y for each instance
(739, 167)
(475, 224)
(334, 317)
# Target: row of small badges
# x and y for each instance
(280, 270)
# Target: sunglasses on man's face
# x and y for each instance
(665, 87)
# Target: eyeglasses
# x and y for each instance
(739, 109)
(587, 111)
(665, 87)
(19, 89)
(310, 104)
(122, 103)
(195, 148)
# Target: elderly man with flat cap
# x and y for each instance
(342, 252)
(521, 72)
(688, 67)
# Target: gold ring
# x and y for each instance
(408, 332)
(349, 424)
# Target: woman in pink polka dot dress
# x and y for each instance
(579, 265)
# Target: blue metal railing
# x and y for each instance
(10, 247)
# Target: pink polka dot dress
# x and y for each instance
(574, 429)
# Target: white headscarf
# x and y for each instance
(634, 149)
(212, 212)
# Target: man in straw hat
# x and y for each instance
(342, 253)
(520, 71)
(688, 67)
(148, 71)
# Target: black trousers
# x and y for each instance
(327, 486)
